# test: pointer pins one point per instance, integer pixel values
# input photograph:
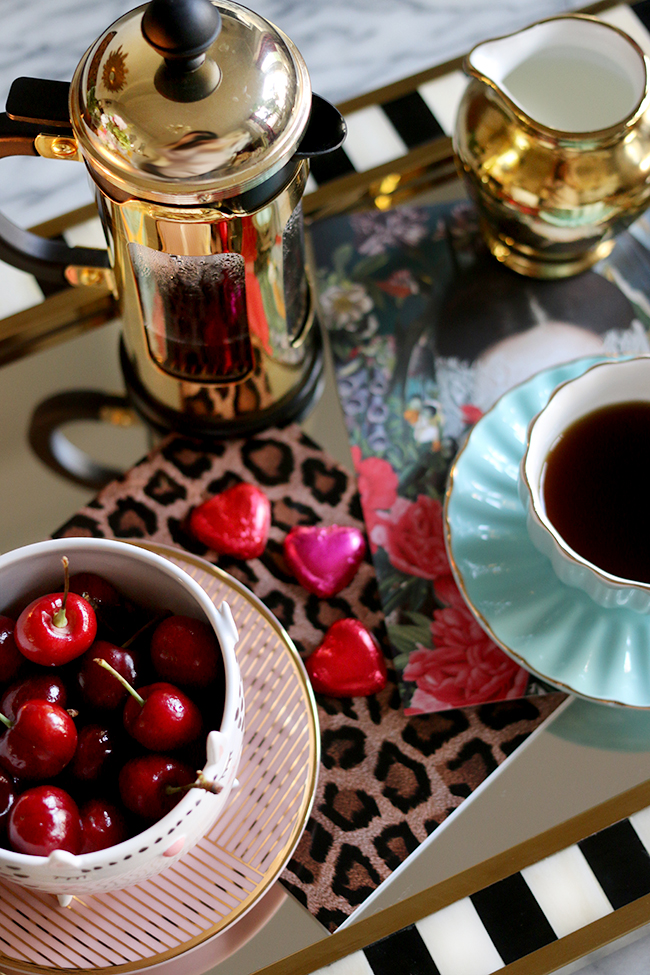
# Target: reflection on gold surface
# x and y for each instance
(550, 202)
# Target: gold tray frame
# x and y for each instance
(545, 960)
(423, 172)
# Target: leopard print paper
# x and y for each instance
(386, 781)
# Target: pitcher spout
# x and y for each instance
(572, 73)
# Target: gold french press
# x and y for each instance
(196, 122)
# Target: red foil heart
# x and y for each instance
(324, 560)
(348, 663)
(235, 522)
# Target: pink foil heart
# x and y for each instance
(348, 663)
(324, 560)
(235, 522)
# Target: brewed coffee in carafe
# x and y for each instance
(194, 314)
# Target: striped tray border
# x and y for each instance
(538, 907)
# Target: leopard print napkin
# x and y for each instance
(386, 781)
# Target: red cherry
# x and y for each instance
(50, 643)
(40, 743)
(162, 718)
(10, 656)
(56, 628)
(102, 825)
(95, 748)
(159, 716)
(44, 819)
(115, 614)
(8, 796)
(99, 688)
(144, 781)
(185, 651)
(44, 687)
(97, 590)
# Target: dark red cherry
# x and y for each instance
(56, 628)
(98, 686)
(96, 589)
(39, 743)
(44, 687)
(185, 651)
(115, 614)
(102, 825)
(159, 716)
(43, 819)
(95, 749)
(144, 782)
(162, 718)
(11, 659)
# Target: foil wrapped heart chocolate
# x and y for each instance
(348, 663)
(324, 559)
(235, 522)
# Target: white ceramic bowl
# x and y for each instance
(609, 382)
(155, 583)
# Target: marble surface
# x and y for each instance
(351, 46)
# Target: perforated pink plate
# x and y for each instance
(232, 867)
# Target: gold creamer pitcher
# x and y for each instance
(553, 140)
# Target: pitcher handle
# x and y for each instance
(25, 132)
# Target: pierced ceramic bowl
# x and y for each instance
(615, 381)
(152, 582)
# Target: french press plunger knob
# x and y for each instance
(181, 31)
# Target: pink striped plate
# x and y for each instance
(233, 866)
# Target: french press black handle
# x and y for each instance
(39, 107)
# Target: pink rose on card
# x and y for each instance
(377, 483)
(414, 539)
(465, 667)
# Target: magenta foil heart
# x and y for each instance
(324, 560)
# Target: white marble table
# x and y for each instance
(351, 46)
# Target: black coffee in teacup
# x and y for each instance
(596, 488)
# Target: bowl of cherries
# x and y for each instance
(121, 714)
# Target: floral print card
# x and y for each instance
(427, 330)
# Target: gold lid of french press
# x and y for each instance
(190, 102)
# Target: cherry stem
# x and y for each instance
(132, 691)
(151, 622)
(60, 618)
(201, 782)
(5, 721)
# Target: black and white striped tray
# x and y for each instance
(558, 897)
(529, 911)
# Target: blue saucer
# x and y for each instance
(555, 631)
